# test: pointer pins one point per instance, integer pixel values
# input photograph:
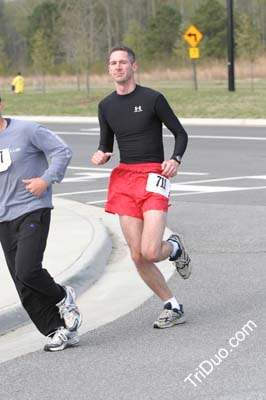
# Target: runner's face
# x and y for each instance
(120, 67)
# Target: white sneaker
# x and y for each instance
(181, 261)
(60, 339)
(170, 317)
(69, 311)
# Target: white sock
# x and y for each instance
(173, 302)
(175, 247)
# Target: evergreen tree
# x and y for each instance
(45, 18)
(2, 18)
(3, 58)
(162, 32)
(211, 19)
(3, 52)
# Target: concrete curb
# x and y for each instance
(249, 122)
(91, 263)
(81, 274)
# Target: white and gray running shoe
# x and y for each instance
(69, 311)
(170, 317)
(181, 261)
(61, 339)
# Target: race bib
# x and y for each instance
(5, 160)
(158, 184)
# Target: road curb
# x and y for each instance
(81, 274)
(249, 122)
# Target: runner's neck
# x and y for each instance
(125, 89)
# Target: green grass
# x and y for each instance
(71, 103)
(212, 100)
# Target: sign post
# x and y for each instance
(193, 36)
(230, 46)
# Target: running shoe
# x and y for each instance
(181, 261)
(170, 317)
(69, 311)
(61, 339)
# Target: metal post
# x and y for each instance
(230, 45)
(194, 69)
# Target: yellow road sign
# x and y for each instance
(194, 52)
(193, 36)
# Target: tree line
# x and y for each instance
(74, 36)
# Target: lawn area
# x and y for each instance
(212, 100)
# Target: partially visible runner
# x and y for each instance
(139, 187)
(26, 181)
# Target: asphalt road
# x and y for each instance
(218, 204)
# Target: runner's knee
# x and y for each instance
(140, 259)
(151, 254)
(137, 258)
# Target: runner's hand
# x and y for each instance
(169, 168)
(35, 186)
(100, 157)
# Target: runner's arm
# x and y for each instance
(167, 116)
(57, 152)
(106, 134)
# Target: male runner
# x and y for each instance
(26, 181)
(139, 186)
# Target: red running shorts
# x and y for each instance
(127, 194)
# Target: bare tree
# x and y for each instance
(78, 19)
(41, 55)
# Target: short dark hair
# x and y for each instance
(129, 51)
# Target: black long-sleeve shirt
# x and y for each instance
(135, 119)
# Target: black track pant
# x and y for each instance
(23, 241)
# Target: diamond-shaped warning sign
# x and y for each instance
(193, 36)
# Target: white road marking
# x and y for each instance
(80, 192)
(90, 129)
(233, 178)
(86, 177)
(204, 189)
(193, 186)
(96, 132)
(96, 202)
(91, 169)
(215, 191)
(193, 173)
(256, 177)
(219, 137)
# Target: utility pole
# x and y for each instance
(230, 46)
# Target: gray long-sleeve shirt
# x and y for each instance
(29, 150)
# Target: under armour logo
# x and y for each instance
(138, 109)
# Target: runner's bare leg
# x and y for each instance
(144, 239)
